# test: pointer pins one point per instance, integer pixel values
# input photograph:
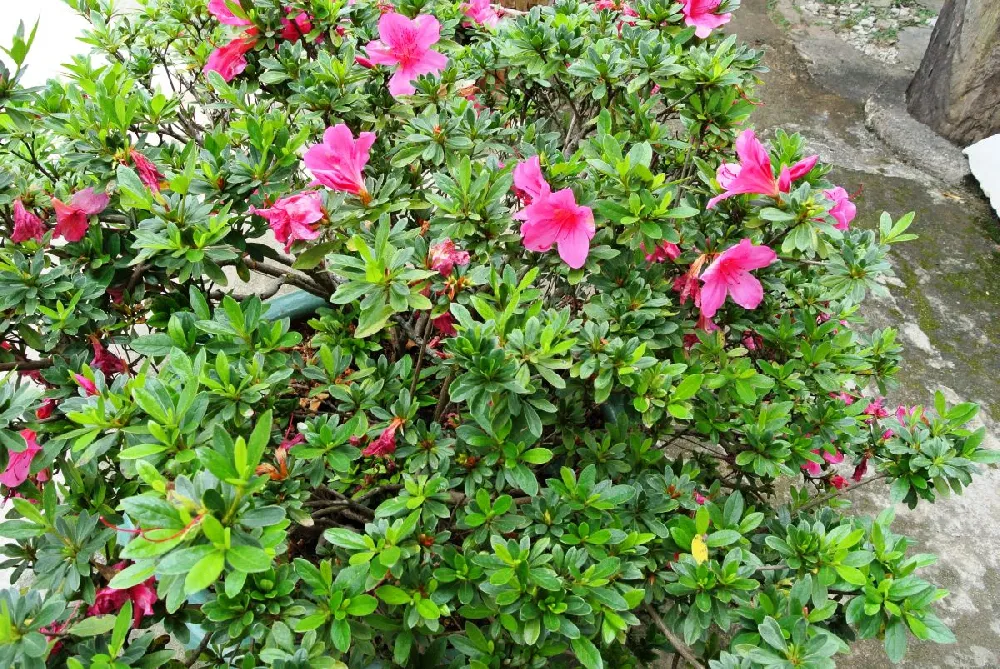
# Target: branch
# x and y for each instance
(302, 282)
(815, 501)
(199, 650)
(682, 648)
(443, 397)
(27, 365)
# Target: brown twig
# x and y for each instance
(199, 650)
(420, 356)
(288, 276)
(27, 365)
(815, 501)
(682, 648)
(443, 398)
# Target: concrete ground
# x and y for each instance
(944, 305)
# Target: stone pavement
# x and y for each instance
(945, 303)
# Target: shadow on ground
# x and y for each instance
(945, 306)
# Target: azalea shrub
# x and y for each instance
(351, 334)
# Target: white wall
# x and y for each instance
(56, 41)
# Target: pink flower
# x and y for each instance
(752, 341)
(887, 435)
(385, 444)
(296, 27)
(73, 219)
(754, 174)
(106, 361)
(843, 397)
(292, 218)
(726, 174)
(843, 210)
(444, 256)
(834, 458)
(406, 45)
(338, 162)
(224, 14)
(230, 60)
(19, 464)
(663, 252)
(288, 443)
(814, 469)
(687, 286)
(86, 384)
(148, 174)
(860, 470)
(111, 600)
(482, 12)
(701, 14)
(445, 324)
(46, 409)
(552, 218)
(730, 273)
(26, 225)
(364, 62)
(699, 498)
(529, 182)
(876, 408)
(705, 323)
(838, 482)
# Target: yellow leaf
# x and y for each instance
(699, 549)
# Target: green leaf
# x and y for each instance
(132, 575)
(340, 635)
(249, 559)
(895, 640)
(428, 609)
(770, 631)
(314, 255)
(93, 626)
(345, 538)
(587, 653)
(205, 572)
(687, 388)
(362, 605)
(536, 456)
(390, 594)
(852, 575)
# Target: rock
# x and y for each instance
(912, 44)
(984, 162)
(956, 89)
(914, 142)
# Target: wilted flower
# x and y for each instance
(26, 225)
(148, 174)
(662, 252)
(445, 324)
(445, 255)
(110, 600)
(106, 361)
